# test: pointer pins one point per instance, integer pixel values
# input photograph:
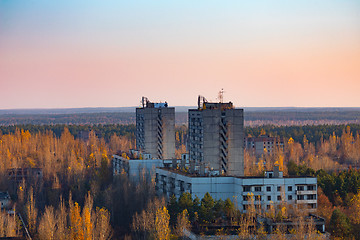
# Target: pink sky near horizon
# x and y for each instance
(267, 70)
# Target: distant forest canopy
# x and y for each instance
(78, 131)
(290, 118)
(257, 117)
(313, 133)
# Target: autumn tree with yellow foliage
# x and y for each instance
(83, 224)
(182, 223)
(31, 212)
(162, 218)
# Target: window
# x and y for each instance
(245, 198)
(257, 189)
(269, 198)
(312, 205)
(267, 207)
(245, 206)
(289, 197)
(311, 187)
(279, 188)
(289, 188)
(279, 198)
(182, 189)
(300, 188)
(247, 188)
(300, 197)
(257, 198)
(311, 197)
(268, 189)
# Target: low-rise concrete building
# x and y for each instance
(273, 189)
(136, 169)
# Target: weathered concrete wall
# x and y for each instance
(216, 139)
(147, 131)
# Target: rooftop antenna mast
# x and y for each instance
(144, 101)
(221, 95)
(201, 101)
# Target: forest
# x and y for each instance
(78, 196)
(313, 133)
(252, 116)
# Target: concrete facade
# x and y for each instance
(155, 130)
(136, 169)
(216, 135)
(5, 200)
(263, 144)
(266, 191)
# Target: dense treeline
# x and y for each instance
(329, 154)
(78, 118)
(71, 169)
(78, 131)
(302, 117)
(68, 119)
(313, 133)
(252, 118)
(203, 211)
(102, 131)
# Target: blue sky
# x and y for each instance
(159, 49)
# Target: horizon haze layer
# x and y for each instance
(131, 109)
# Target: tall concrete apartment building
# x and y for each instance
(216, 138)
(155, 129)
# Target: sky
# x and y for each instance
(110, 53)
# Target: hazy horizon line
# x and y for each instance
(182, 107)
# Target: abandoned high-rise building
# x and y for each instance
(155, 129)
(216, 136)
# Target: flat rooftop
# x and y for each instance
(178, 171)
